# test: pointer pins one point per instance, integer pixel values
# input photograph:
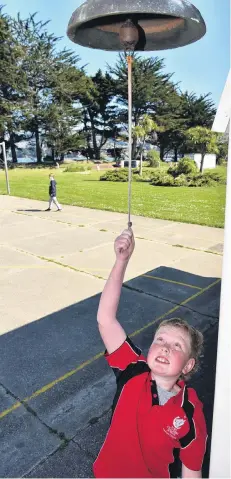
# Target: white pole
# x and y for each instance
(6, 167)
(220, 447)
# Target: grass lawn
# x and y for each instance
(204, 206)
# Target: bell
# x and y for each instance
(160, 24)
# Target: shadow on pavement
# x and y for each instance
(56, 389)
(30, 210)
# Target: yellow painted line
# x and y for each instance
(50, 385)
(62, 378)
(171, 281)
(11, 409)
(175, 308)
(99, 355)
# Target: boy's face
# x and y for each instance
(169, 354)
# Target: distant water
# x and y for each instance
(26, 160)
(34, 160)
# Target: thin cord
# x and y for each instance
(129, 62)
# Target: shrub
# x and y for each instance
(146, 175)
(75, 168)
(181, 180)
(222, 162)
(208, 178)
(161, 178)
(173, 170)
(153, 157)
(120, 175)
(219, 175)
(186, 166)
(200, 179)
(10, 165)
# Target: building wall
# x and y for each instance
(209, 161)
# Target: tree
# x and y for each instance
(64, 114)
(203, 140)
(150, 86)
(12, 85)
(223, 147)
(179, 112)
(153, 157)
(46, 82)
(198, 111)
(169, 116)
(60, 135)
(100, 119)
(142, 132)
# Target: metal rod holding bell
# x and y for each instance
(129, 37)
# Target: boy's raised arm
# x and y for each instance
(112, 333)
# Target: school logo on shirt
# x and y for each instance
(178, 422)
(174, 430)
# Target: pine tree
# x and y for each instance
(99, 113)
(12, 85)
(178, 113)
(48, 92)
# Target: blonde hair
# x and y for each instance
(196, 341)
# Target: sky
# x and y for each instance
(201, 67)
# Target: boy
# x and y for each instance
(154, 413)
(52, 193)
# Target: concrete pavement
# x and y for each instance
(56, 390)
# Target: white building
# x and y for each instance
(209, 160)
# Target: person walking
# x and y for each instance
(52, 194)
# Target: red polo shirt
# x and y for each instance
(143, 435)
